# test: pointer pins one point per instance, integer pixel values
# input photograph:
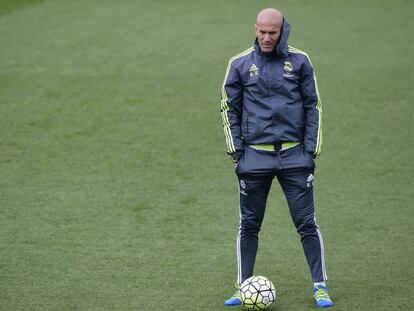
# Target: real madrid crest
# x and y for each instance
(288, 66)
(242, 184)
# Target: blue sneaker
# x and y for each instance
(320, 293)
(234, 300)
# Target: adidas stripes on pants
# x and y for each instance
(294, 169)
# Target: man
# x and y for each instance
(272, 123)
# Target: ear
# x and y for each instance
(255, 28)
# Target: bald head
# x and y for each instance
(270, 16)
(268, 27)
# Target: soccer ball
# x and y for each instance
(257, 293)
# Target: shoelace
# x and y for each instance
(321, 294)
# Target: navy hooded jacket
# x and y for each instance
(271, 98)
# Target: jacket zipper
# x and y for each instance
(268, 75)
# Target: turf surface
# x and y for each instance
(115, 190)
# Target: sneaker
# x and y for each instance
(320, 293)
(234, 300)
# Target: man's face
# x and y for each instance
(268, 34)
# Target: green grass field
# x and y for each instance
(115, 189)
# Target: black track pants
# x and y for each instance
(294, 169)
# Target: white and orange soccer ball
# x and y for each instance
(257, 293)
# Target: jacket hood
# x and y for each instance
(282, 45)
